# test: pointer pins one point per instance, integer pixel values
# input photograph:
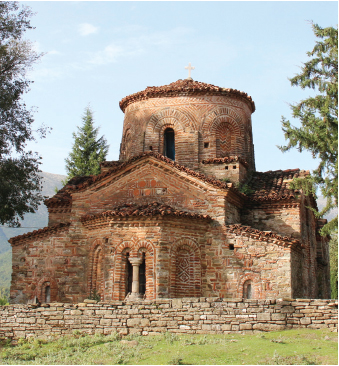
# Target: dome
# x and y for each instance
(186, 87)
(189, 122)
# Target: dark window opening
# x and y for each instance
(248, 290)
(129, 277)
(151, 148)
(169, 143)
(231, 247)
(47, 294)
(142, 276)
(234, 167)
(206, 145)
(226, 167)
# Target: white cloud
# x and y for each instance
(85, 29)
(111, 53)
(140, 44)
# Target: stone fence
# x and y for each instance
(187, 315)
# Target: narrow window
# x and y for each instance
(151, 148)
(248, 290)
(48, 294)
(226, 167)
(169, 144)
(234, 167)
(231, 247)
(129, 275)
(206, 145)
(142, 276)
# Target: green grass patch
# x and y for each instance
(289, 347)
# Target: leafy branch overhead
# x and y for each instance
(88, 150)
(318, 116)
(20, 184)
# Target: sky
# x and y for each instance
(98, 52)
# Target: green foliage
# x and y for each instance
(88, 151)
(246, 189)
(226, 180)
(4, 295)
(19, 179)
(334, 265)
(94, 295)
(5, 270)
(319, 118)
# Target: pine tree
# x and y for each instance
(319, 120)
(87, 151)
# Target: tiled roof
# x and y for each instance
(184, 88)
(225, 160)
(249, 231)
(81, 183)
(110, 164)
(38, 233)
(274, 185)
(151, 209)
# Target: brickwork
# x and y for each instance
(152, 227)
(188, 316)
(205, 127)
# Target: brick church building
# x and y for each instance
(182, 213)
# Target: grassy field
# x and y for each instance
(290, 347)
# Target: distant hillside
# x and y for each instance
(33, 221)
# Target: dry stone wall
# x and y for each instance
(187, 315)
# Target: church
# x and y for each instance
(182, 213)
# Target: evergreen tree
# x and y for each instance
(319, 120)
(334, 265)
(87, 151)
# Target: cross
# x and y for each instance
(189, 68)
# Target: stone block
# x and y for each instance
(287, 309)
(226, 327)
(245, 326)
(278, 316)
(263, 316)
(76, 312)
(268, 327)
(176, 303)
(105, 322)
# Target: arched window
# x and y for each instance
(129, 275)
(96, 273)
(169, 143)
(48, 294)
(247, 290)
(142, 276)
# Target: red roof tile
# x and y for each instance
(274, 185)
(184, 88)
(225, 160)
(151, 209)
(249, 231)
(38, 233)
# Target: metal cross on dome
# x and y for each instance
(189, 68)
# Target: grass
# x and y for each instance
(289, 347)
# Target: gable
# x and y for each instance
(144, 183)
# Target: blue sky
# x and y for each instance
(100, 52)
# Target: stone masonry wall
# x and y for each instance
(191, 316)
